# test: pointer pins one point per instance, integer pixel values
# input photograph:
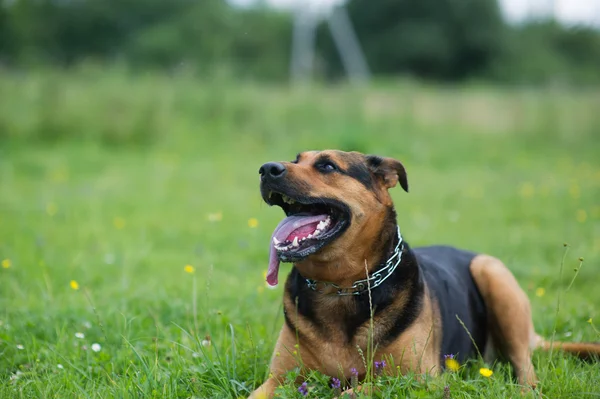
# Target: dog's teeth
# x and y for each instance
(287, 199)
(309, 236)
(283, 248)
(276, 241)
(270, 194)
(295, 242)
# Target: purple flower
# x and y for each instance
(335, 383)
(354, 377)
(450, 356)
(379, 365)
(446, 392)
(303, 389)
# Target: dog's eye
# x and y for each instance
(327, 166)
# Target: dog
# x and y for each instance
(355, 280)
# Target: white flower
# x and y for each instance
(20, 347)
(16, 375)
(205, 342)
(96, 347)
(79, 335)
(195, 355)
(109, 259)
(60, 366)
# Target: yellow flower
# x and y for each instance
(60, 175)
(215, 217)
(590, 320)
(486, 372)
(527, 190)
(452, 364)
(295, 352)
(474, 192)
(119, 223)
(581, 215)
(189, 269)
(540, 292)
(51, 209)
(575, 191)
(277, 354)
(6, 263)
(253, 223)
(74, 284)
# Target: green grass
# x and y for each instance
(118, 182)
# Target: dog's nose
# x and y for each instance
(272, 170)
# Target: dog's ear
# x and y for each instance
(390, 171)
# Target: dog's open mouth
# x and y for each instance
(311, 223)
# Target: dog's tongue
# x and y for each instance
(289, 228)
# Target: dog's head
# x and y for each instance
(336, 203)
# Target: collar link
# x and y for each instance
(374, 281)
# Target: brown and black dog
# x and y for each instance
(425, 302)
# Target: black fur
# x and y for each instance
(379, 167)
(448, 277)
(361, 173)
(445, 270)
(406, 277)
(303, 297)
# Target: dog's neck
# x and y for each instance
(347, 313)
(358, 263)
(373, 278)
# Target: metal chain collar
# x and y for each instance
(376, 279)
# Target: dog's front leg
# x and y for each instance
(286, 357)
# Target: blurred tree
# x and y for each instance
(204, 35)
(6, 39)
(64, 32)
(441, 39)
(210, 35)
(432, 39)
(547, 52)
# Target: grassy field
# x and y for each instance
(134, 242)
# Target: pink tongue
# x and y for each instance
(291, 226)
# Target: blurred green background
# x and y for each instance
(129, 205)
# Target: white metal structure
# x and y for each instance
(307, 15)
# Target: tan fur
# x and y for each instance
(510, 321)
(509, 314)
(417, 349)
